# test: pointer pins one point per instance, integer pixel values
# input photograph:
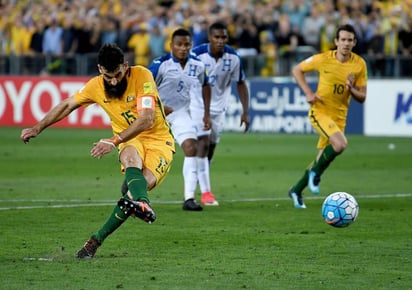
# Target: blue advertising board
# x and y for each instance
(281, 107)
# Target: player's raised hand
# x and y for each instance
(350, 80)
(28, 133)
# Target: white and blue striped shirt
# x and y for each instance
(228, 68)
(174, 82)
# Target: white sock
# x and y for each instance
(190, 176)
(203, 174)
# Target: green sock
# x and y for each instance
(116, 219)
(137, 184)
(303, 181)
(325, 159)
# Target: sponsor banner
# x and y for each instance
(276, 105)
(279, 106)
(25, 100)
(388, 108)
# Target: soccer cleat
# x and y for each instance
(208, 198)
(89, 249)
(139, 209)
(313, 182)
(191, 204)
(297, 199)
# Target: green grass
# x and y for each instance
(53, 196)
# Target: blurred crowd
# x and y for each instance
(273, 29)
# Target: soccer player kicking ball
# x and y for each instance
(342, 75)
(141, 135)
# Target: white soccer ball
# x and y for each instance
(340, 209)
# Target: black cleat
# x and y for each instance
(89, 249)
(140, 209)
(191, 204)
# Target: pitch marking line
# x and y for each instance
(80, 203)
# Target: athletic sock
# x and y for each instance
(328, 155)
(137, 184)
(203, 174)
(190, 176)
(115, 220)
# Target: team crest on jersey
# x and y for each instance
(130, 98)
(162, 166)
(147, 88)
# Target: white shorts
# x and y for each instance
(216, 122)
(183, 127)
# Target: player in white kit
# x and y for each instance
(176, 74)
(223, 66)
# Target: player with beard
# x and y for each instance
(142, 135)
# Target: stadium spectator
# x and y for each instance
(329, 104)
(405, 46)
(287, 42)
(169, 15)
(52, 39)
(224, 66)
(36, 63)
(143, 137)
(139, 44)
(156, 42)
(312, 25)
(176, 74)
(70, 43)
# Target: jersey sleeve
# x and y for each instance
(363, 74)
(85, 96)
(146, 90)
(311, 63)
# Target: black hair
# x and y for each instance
(345, 27)
(181, 32)
(110, 56)
(217, 26)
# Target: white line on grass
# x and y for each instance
(81, 203)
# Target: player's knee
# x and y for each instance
(340, 147)
(189, 147)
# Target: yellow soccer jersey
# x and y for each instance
(332, 78)
(123, 112)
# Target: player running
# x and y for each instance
(342, 75)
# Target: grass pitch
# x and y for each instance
(53, 196)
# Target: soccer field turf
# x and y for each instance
(53, 196)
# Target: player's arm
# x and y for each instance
(243, 93)
(300, 78)
(357, 92)
(56, 114)
(206, 94)
(146, 115)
